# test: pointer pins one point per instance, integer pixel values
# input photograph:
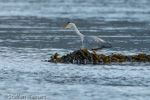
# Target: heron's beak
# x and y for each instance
(67, 26)
(64, 27)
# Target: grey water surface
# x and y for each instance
(30, 32)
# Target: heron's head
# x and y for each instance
(69, 24)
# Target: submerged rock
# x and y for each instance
(83, 56)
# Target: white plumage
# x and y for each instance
(89, 42)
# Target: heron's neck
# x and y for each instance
(77, 31)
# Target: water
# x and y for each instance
(30, 32)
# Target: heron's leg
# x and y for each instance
(82, 47)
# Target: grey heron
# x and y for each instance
(89, 42)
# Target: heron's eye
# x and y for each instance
(68, 22)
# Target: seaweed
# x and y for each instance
(83, 56)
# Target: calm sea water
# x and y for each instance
(30, 32)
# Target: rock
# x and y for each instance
(83, 56)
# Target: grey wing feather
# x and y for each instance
(94, 43)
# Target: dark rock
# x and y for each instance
(83, 56)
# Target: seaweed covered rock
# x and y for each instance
(83, 56)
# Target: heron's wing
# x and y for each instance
(94, 43)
